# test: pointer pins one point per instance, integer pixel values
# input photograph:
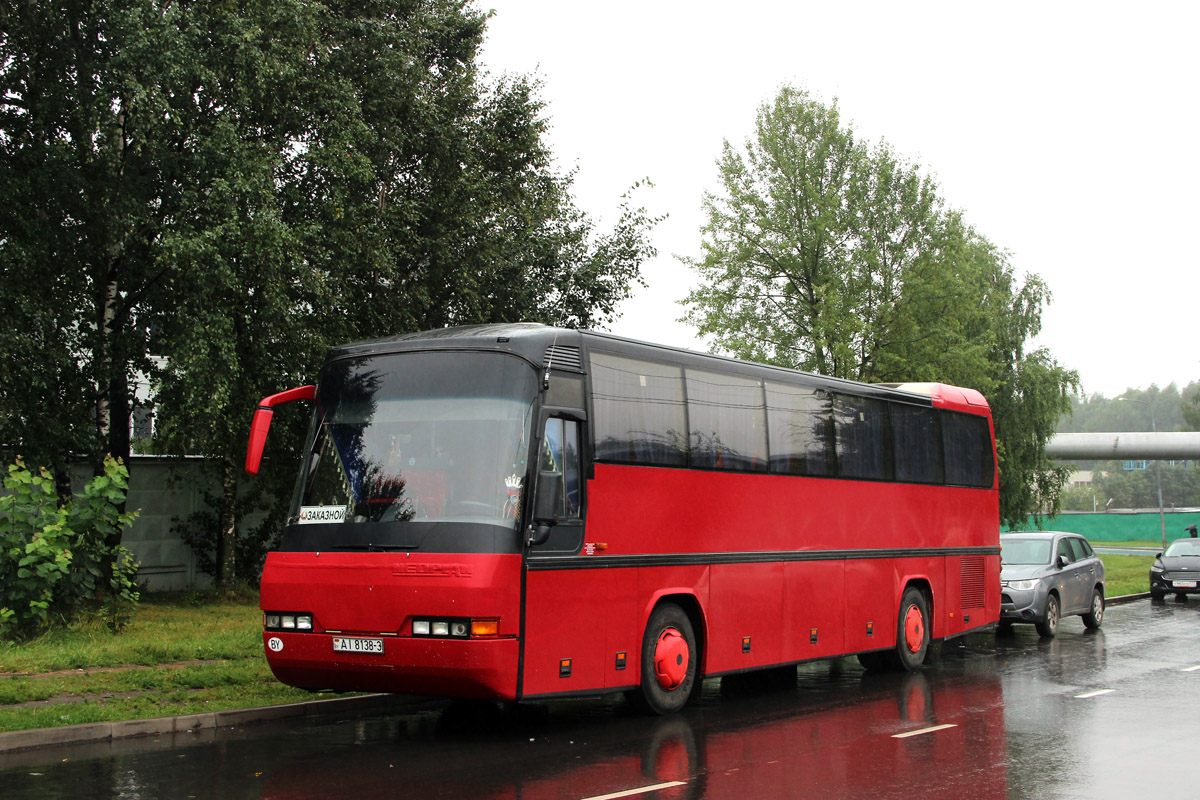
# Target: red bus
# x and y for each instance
(520, 512)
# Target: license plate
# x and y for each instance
(342, 644)
(1185, 584)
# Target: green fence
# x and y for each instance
(1123, 526)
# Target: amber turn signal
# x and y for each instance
(485, 627)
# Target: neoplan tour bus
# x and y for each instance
(520, 512)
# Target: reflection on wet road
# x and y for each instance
(1092, 715)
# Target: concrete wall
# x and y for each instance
(163, 489)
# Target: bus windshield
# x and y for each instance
(418, 437)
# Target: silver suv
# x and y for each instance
(1048, 575)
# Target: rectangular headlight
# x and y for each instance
(304, 622)
(288, 621)
(420, 627)
(272, 621)
(441, 629)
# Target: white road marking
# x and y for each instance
(923, 730)
(632, 792)
(1096, 693)
(1193, 669)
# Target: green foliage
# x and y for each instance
(1155, 408)
(234, 187)
(1138, 488)
(58, 561)
(202, 529)
(824, 254)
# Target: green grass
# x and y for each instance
(138, 673)
(166, 629)
(1126, 574)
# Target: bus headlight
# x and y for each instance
(278, 621)
(456, 628)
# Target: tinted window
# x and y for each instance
(1079, 549)
(1064, 549)
(640, 412)
(861, 438)
(800, 419)
(727, 422)
(916, 439)
(967, 444)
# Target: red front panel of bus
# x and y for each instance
(375, 596)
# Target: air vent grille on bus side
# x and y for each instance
(972, 594)
(560, 356)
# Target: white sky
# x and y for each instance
(1066, 132)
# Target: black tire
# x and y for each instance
(1157, 594)
(912, 630)
(1049, 626)
(1095, 616)
(669, 692)
(1004, 629)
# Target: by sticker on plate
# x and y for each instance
(312, 514)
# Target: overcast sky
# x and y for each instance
(1066, 132)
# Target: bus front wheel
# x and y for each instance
(912, 630)
(668, 659)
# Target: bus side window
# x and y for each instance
(800, 422)
(967, 444)
(917, 445)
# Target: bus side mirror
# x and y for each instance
(547, 506)
(261, 423)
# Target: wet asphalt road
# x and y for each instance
(1107, 714)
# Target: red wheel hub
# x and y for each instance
(670, 659)
(914, 629)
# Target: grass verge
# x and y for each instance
(183, 654)
(1126, 574)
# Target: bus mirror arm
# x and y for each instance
(537, 534)
(261, 423)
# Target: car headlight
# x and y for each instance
(1020, 586)
(1156, 567)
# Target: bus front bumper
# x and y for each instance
(477, 668)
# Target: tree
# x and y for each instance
(90, 169)
(824, 254)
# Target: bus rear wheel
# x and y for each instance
(912, 630)
(668, 659)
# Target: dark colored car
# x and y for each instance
(1048, 575)
(1177, 569)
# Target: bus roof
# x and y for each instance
(562, 350)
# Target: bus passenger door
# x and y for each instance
(565, 604)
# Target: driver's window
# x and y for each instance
(1064, 549)
(560, 454)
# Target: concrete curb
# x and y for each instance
(13, 741)
(1125, 598)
